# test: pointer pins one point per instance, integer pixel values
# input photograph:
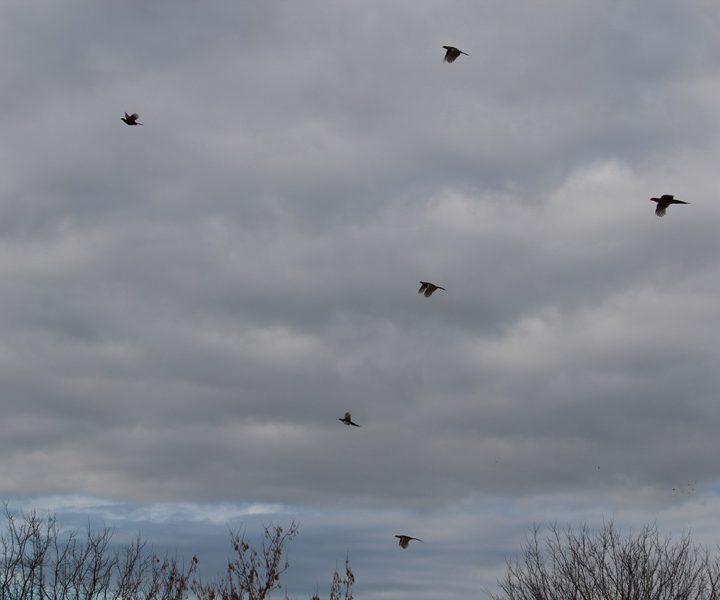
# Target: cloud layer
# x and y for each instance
(189, 306)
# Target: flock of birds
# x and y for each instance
(427, 288)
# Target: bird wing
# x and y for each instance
(423, 287)
(347, 416)
(660, 209)
(355, 424)
(430, 289)
(134, 116)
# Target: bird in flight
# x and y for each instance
(429, 288)
(663, 202)
(131, 119)
(405, 540)
(347, 419)
(452, 53)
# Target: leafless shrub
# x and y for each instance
(251, 574)
(341, 587)
(581, 564)
(39, 561)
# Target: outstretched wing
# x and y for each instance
(423, 287)
(660, 209)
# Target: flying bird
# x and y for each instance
(429, 288)
(405, 540)
(452, 53)
(663, 202)
(347, 419)
(131, 119)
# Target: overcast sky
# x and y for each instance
(188, 307)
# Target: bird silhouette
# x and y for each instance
(429, 288)
(131, 119)
(347, 419)
(452, 53)
(663, 202)
(405, 540)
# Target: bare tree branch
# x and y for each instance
(579, 564)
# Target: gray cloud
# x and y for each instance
(189, 306)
